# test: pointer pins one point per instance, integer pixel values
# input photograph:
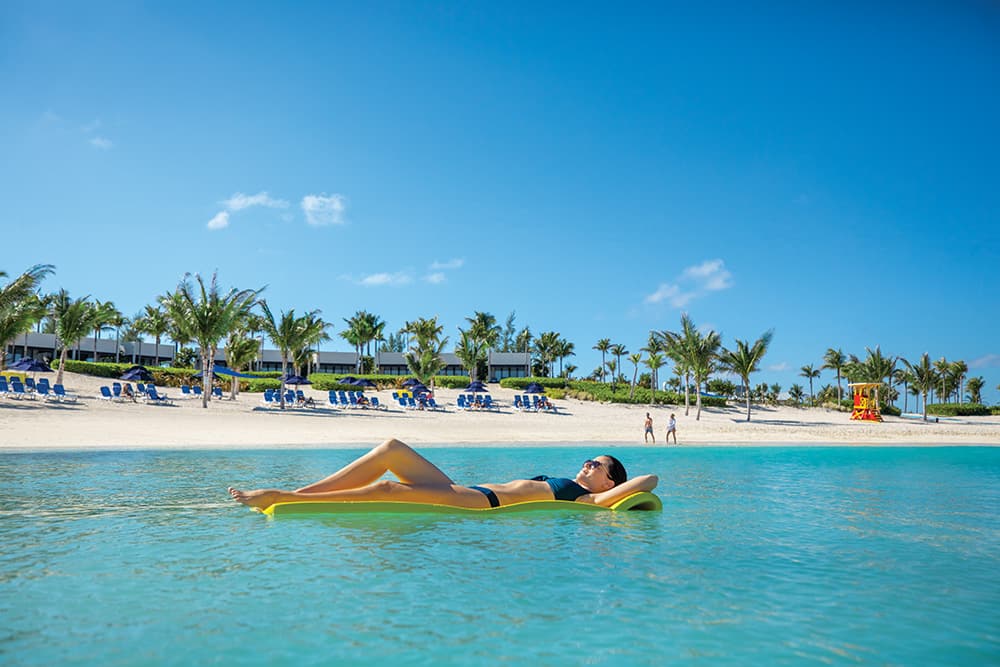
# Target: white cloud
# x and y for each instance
(385, 279)
(777, 368)
(240, 201)
(322, 210)
(220, 221)
(101, 142)
(456, 263)
(435, 278)
(986, 361)
(694, 282)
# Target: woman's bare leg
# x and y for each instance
(392, 456)
(457, 496)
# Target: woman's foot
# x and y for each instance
(259, 499)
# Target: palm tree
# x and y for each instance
(547, 345)
(471, 352)
(603, 346)
(104, 313)
(618, 350)
(703, 357)
(680, 346)
(904, 376)
(635, 358)
(171, 302)
(523, 344)
(975, 386)
(958, 371)
(20, 306)
(154, 322)
(484, 329)
(795, 392)
(745, 359)
(73, 319)
(835, 361)
(810, 373)
(612, 367)
(654, 362)
(924, 377)
(944, 378)
(241, 351)
(207, 316)
(564, 349)
(424, 357)
(290, 334)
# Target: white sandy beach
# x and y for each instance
(91, 423)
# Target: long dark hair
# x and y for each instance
(616, 471)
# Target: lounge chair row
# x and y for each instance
(147, 393)
(353, 399)
(421, 402)
(539, 404)
(477, 402)
(196, 391)
(18, 390)
(272, 398)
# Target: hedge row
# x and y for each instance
(586, 390)
(958, 409)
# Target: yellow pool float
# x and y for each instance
(641, 501)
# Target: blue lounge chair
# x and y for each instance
(18, 391)
(3, 387)
(60, 393)
(332, 398)
(196, 390)
(217, 392)
(432, 404)
(106, 394)
(186, 391)
(29, 384)
(43, 391)
(461, 402)
(375, 403)
(156, 398)
(140, 387)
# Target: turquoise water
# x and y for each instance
(764, 556)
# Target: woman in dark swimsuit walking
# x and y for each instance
(601, 481)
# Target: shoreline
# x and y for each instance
(92, 424)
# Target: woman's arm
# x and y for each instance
(623, 490)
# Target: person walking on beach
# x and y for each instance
(649, 430)
(672, 428)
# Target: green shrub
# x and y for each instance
(588, 390)
(166, 377)
(450, 381)
(958, 409)
(890, 410)
(995, 410)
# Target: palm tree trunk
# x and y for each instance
(687, 399)
(62, 363)
(652, 386)
(631, 393)
(746, 389)
(925, 406)
(118, 344)
(697, 388)
(95, 345)
(206, 377)
(284, 374)
(156, 353)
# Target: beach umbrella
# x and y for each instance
(295, 379)
(137, 374)
(534, 388)
(222, 370)
(364, 382)
(419, 388)
(347, 379)
(32, 366)
(411, 382)
(476, 387)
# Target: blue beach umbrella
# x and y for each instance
(411, 382)
(476, 387)
(137, 374)
(534, 388)
(32, 366)
(222, 370)
(364, 382)
(295, 379)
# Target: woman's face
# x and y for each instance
(596, 474)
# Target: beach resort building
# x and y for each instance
(45, 346)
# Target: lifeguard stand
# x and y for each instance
(866, 401)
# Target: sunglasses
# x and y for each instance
(590, 463)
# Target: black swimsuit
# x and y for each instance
(562, 489)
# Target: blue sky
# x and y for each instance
(828, 171)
